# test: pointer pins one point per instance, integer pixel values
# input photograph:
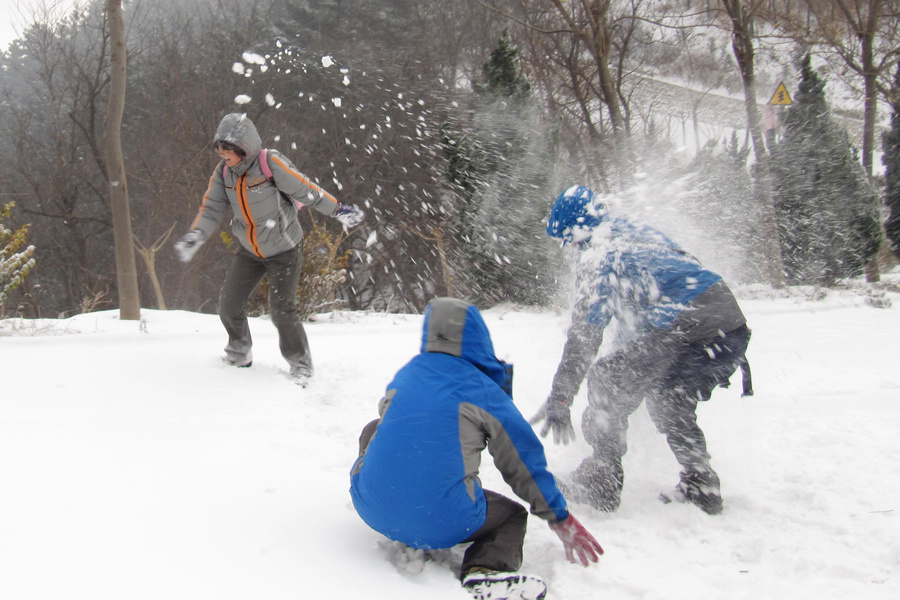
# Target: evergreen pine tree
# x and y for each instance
(501, 73)
(891, 160)
(826, 210)
(500, 162)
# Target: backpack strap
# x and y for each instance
(264, 163)
(267, 171)
(747, 378)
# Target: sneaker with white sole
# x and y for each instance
(497, 585)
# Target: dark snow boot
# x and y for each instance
(301, 375)
(233, 360)
(700, 489)
(596, 483)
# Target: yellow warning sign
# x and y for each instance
(781, 96)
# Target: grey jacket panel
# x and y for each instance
(294, 183)
(712, 314)
(477, 429)
(445, 327)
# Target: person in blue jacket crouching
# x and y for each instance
(416, 478)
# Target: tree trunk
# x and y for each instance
(595, 35)
(126, 269)
(742, 44)
(149, 257)
(445, 264)
(870, 78)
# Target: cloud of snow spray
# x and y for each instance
(668, 199)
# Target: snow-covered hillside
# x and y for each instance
(134, 465)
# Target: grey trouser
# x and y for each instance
(244, 274)
(672, 376)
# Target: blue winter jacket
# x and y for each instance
(417, 481)
(637, 275)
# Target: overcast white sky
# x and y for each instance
(10, 21)
(17, 13)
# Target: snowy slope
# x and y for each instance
(134, 465)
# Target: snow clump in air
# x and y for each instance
(253, 58)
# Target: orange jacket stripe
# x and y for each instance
(305, 181)
(248, 215)
(203, 202)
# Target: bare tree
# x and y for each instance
(864, 35)
(54, 88)
(742, 16)
(126, 269)
(576, 55)
(149, 256)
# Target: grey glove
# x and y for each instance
(558, 418)
(349, 216)
(188, 245)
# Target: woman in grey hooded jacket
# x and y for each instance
(265, 223)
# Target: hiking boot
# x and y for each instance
(596, 484)
(301, 375)
(240, 362)
(498, 585)
(700, 489)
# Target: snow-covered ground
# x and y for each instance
(134, 465)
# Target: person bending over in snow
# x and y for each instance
(416, 478)
(262, 200)
(679, 334)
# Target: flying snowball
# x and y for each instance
(253, 58)
(242, 99)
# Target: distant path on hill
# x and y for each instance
(715, 112)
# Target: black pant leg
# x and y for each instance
(497, 545)
(698, 369)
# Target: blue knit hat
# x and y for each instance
(574, 209)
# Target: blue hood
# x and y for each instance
(456, 327)
(575, 213)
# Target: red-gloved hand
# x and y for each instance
(575, 538)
